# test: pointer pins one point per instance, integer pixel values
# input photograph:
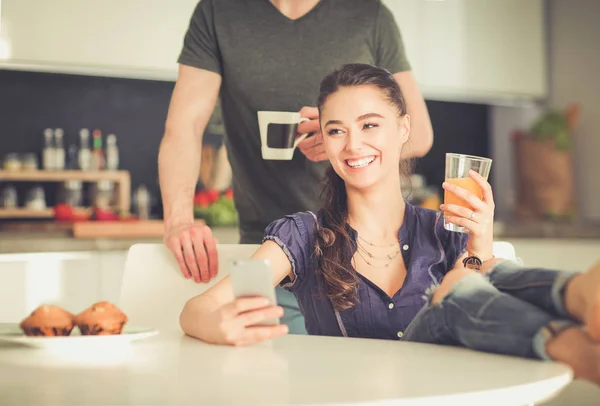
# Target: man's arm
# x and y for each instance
(421, 131)
(391, 55)
(193, 101)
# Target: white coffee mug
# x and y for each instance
(278, 131)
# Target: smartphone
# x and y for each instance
(253, 277)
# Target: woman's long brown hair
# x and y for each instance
(335, 243)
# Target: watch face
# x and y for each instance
(472, 263)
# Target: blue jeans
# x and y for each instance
(510, 310)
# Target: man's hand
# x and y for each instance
(312, 146)
(195, 249)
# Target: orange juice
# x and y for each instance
(465, 183)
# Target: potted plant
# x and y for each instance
(545, 182)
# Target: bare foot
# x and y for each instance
(577, 349)
(583, 300)
(592, 322)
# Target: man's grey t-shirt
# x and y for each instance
(269, 62)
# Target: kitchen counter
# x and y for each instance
(58, 241)
(61, 241)
(539, 230)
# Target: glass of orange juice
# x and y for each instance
(457, 173)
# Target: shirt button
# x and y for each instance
(391, 306)
(405, 247)
(400, 334)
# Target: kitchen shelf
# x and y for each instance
(121, 178)
(25, 213)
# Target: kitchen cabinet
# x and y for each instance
(123, 38)
(461, 50)
(475, 50)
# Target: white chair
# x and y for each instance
(154, 291)
(503, 249)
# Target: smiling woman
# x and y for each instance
(364, 134)
(371, 265)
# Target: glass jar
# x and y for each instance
(103, 195)
(36, 198)
(12, 162)
(9, 197)
(29, 162)
(73, 190)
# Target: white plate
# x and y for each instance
(13, 333)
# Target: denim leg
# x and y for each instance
(541, 287)
(478, 316)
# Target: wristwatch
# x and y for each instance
(472, 262)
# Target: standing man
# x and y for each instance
(267, 55)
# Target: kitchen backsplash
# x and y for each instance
(135, 111)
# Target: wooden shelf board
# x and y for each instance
(26, 213)
(60, 176)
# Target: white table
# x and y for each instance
(171, 369)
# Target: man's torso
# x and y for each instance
(272, 63)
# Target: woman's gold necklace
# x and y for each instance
(387, 258)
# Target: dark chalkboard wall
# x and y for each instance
(135, 110)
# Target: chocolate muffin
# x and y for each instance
(48, 320)
(102, 318)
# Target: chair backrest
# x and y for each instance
(154, 291)
(504, 249)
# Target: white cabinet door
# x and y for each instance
(71, 280)
(443, 43)
(142, 36)
(475, 50)
(505, 47)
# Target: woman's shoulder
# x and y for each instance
(301, 224)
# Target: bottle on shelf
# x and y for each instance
(98, 161)
(48, 155)
(112, 153)
(85, 154)
(142, 202)
(72, 158)
(59, 149)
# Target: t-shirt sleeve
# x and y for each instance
(294, 234)
(200, 45)
(389, 47)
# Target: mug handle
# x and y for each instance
(303, 136)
